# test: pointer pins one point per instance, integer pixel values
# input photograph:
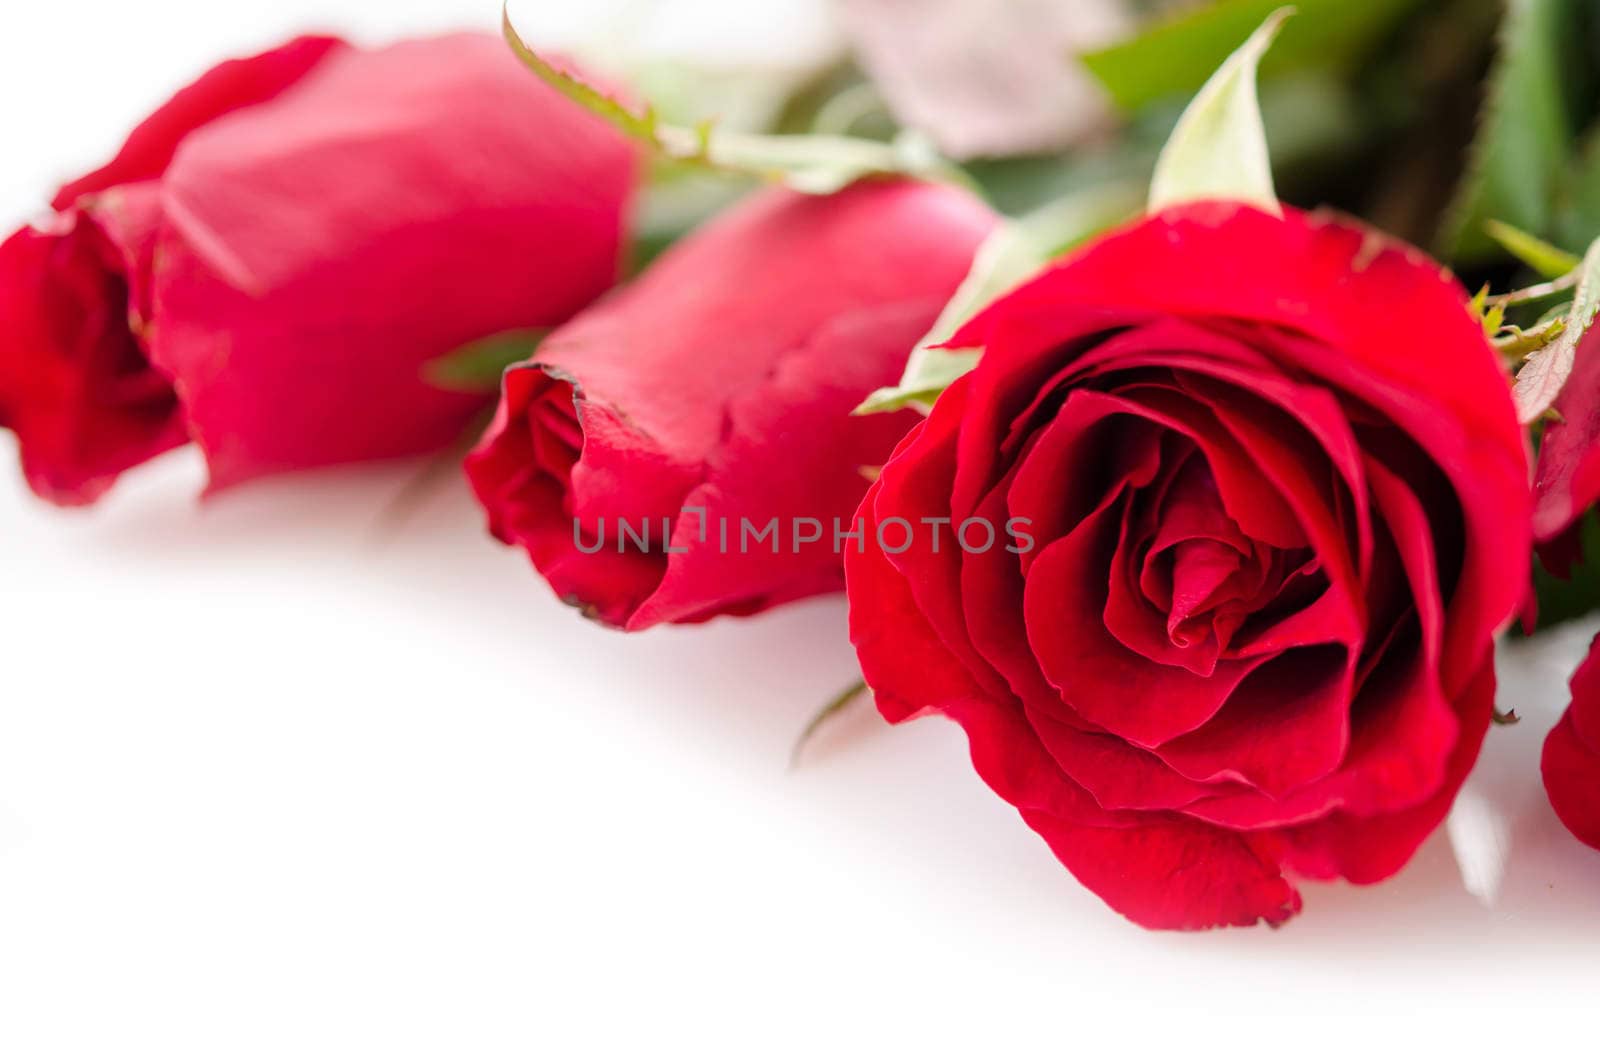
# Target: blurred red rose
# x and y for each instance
(274, 255)
(717, 389)
(1278, 503)
(1572, 755)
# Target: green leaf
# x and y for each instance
(1524, 133)
(812, 164)
(639, 124)
(476, 368)
(1547, 260)
(1545, 372)
(1014, 252)
(1175, 56)
(1219, 148)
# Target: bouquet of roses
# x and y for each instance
(1199, 512)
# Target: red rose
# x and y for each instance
(1572, 755)
(684, 449)
(274, 255)
(1567, 480)
(1276, 508)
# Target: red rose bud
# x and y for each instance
(1572, 755)
(1278, 503)
(685, 448)
(275, 255)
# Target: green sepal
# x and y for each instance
(1218, 150)
(1015, 251)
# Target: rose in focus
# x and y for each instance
(1281, 506)
(716, 389)
(274, 256)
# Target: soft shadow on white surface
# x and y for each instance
(267, 737)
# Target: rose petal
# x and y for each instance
(1571, 761)
(918, 481)
(1567, 482)
(1571, 770)
(75, 383)
(903, 661)
(1005, 392)
(1286, 726)
(1174, 874)
(1144, 702)
(1404, 736)
(1362, 849)
(1064, 475)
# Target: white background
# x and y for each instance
(276, 782)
